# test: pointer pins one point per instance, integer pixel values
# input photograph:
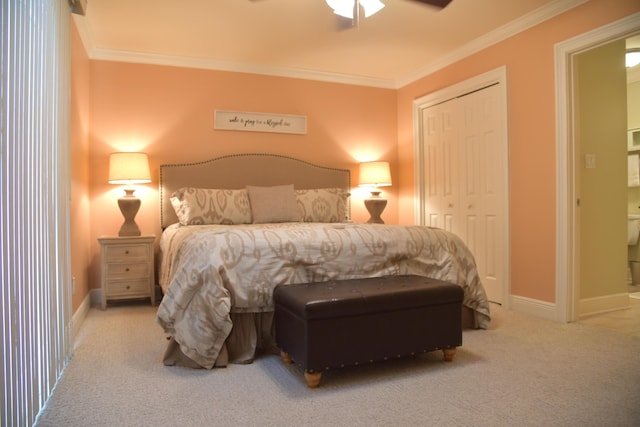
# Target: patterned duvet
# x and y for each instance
(209, 271)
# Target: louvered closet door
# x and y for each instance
(465, 186)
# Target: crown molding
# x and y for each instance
(502, 33)
(237, 67)
(514, 27)
(209, 64)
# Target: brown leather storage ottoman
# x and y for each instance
(348, 322)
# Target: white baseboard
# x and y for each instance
(80, 314)
(93, 298)
(604, 304)
(543, 309)
(586, 307)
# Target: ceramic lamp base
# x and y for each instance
(375, 206)
(129, 206)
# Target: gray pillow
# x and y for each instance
(274, 204)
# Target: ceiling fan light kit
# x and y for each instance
(351, 8)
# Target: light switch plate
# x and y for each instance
(590, 161)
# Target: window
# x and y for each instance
(34, 182)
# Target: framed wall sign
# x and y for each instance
(259, 122)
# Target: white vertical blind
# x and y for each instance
(34, 184)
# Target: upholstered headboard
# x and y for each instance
(239, 170)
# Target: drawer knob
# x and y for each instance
(126, 269)
(128, 287)
(126, 252)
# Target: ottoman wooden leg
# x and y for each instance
(286, 358)
(449, 354)
(313, 378)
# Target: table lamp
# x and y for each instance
(129, 169)
(374, 175)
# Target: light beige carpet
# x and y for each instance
(523, 371)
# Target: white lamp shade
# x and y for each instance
(129, 168)
(375, 174)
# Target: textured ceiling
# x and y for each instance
(304, 36)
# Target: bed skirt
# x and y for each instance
(251, 335)
(254, 334)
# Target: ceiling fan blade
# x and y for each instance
(437, 3)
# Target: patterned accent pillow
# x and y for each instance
(211, 206)
(273, 204)
(323, 204)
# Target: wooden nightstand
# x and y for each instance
(127, 268)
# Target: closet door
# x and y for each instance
(465, 188)
(440, 139)
(482, 189)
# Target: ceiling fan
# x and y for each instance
(351, 9)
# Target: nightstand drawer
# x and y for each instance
(126, 252)
(127, 270)
(128, 288)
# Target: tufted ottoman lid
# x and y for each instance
(354, 297)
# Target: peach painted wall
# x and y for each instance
(79, 202)
(168, 113)
(529, 58)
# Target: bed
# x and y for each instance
(236, 226)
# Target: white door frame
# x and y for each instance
(567, 260)
(498, 75)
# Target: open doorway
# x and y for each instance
(599, 126)
(570, 158)
(633, 148)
